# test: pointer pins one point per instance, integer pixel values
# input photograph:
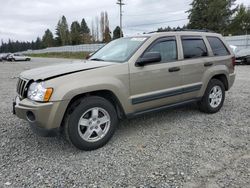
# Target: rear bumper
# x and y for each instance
(44, 118)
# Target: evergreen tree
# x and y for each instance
(38, 43)
(48, 39)
(85, 32)
(10, 47)
(240, 25)
(116, 32)
(75, 33)
(84, 27)
(17, 46)
(161, 29)
(62, 32)
(211, 14)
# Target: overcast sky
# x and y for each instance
(25, 20)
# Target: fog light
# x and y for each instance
(30, 116)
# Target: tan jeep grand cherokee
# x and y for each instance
(127, 77)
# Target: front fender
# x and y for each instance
(119, 89)
(67, 87)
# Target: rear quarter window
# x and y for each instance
(218, 47)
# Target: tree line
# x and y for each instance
(77, 33)
(221, 16)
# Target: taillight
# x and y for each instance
(233, 61)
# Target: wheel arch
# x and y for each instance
(223, 78)
(107, 94)
(221, 75)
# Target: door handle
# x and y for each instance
(208, 64)
(174, 69)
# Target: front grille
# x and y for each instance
(22, 87)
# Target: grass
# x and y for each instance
(69, 55)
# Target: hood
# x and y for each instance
(53, 71)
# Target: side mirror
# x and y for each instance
(148, 57)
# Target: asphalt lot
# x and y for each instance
(176, 148)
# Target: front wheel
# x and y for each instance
(214, 97)
(91, 123)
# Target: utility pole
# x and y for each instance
(120, 3)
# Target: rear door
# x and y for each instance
(220, 52)
(195, 61)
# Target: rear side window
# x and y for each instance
(218, 48)
(193, 47)
(167, 48)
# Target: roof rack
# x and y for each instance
(194, 30)
(199, 30)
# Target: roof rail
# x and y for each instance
(194, 30)
(198, 30)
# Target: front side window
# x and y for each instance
(167, 48)
(217, 46)
(119, 50)
(193, 47)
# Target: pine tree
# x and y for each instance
(85, 32)
(211, 14)
(48, 39)
(240, 25)
(75, 33)
(62, 32)
(38, 43)
(116, 32)
(84, 27)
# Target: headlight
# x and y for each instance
(38, 92)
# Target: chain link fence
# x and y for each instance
(75, 48)
(242, 42)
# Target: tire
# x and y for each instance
(209, 105)
(248, 60)
(92, 111)
(28, 59)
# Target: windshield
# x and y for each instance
(119, 50)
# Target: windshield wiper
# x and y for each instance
(96, 59)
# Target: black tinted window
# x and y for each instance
(217, 46)
(193, 47)
(167, 48)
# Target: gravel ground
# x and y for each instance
(176, 148)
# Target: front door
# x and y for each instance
(157, 84)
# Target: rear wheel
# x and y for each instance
(214, 97)
(91, 124)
